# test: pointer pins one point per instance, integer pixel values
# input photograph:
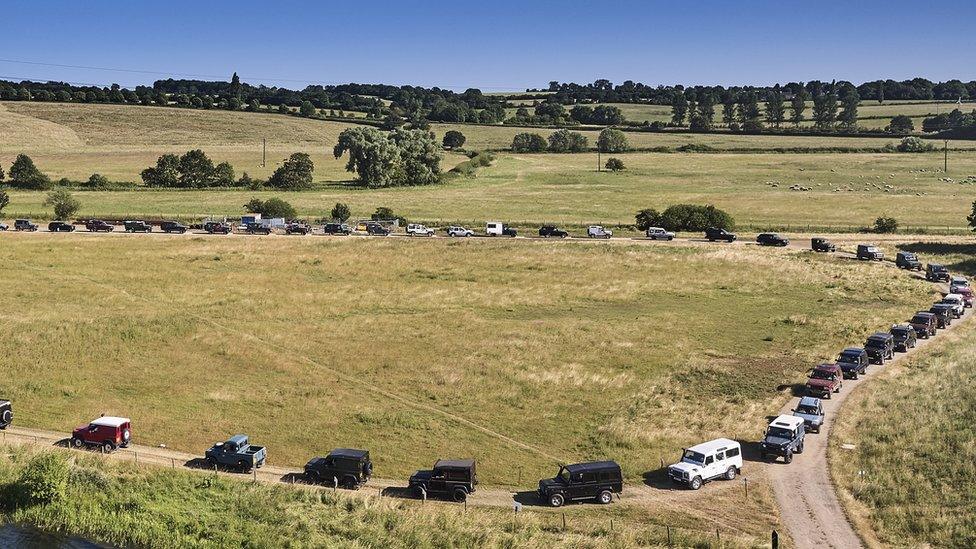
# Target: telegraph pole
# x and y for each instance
(945, 157)
(599, 163)
(264, 152)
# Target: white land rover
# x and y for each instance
(416, 229)
(720, 458)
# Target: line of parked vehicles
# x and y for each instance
(455, 479)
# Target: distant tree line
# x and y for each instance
(684, 217)
(610, 140)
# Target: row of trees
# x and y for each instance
(610, 140)
(194, 169)
(684, 217)
(833, 107)
(390, 159)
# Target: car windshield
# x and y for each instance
(779, 432)
(822, 374)
(875, 343)
(919, 319)
(563, 476)
(806, 409)
(693, 456)
(848, 357)
(899, 332)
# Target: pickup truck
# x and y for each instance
(236, 452)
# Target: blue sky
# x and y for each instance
(499, 45)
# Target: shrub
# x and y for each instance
(5, 199)
(612, 141)
(294, 174)
(453, 139)
(384, 214)
(567, 141)
(695, 147)
(647, 218)
(25, 175)
(44, 480)
(885, 225)
(271, 208)
(914, 144)
(307, 109)
(615, 164)
(64, 204)
(901, 124)
(528, 143)
(340, 212)
(97, 181)
(685, 217)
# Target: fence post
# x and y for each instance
(746, 481)
(254, 472)
(774, 541)
(564, 521)
(173, 460)
(669, 535)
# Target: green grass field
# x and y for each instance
(575, 351)
(910, 479)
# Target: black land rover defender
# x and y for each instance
(819, 244)
(772, 239)
(936, 273)
(137, 227)
(597, 480)
(908, 260)
(880, 347)
(455, 478)
(342, 467)
(713, 234)
(173, 227)
(6, 414)
(551, 231)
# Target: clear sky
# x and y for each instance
(496, 46)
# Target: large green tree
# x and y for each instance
(750, 117)
(567, 141)
(972, 217)
(775, 107)
(420, 157)
(705, 115)
(25, 175)
(453, 139)
(340, 212)
(166, 172)
(798, 104)
(849, 102)
(679, 108)
(65, 205)
(612, 140)
(294, 174)
(372, 156)
(825, 110)
(528, 142)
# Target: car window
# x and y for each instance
(588, 476)
(456, 475)
(709, 460)
(732, 452)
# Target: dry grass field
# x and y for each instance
(521, 354)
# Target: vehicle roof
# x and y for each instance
(238, 439)
(960, 279)
(790, 422)
(713, 445)
(880, 335)
(857, 350)
(936, 266)
(349, 453)
(110, 421)
(591, 465)
(902, 327)
(809, 401)
(4, 402)
(454, 463)
(923, 313)
(826, 366)
(954, 297)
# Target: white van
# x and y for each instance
(719, 458)
(497, 228)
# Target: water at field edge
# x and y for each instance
(23, 537)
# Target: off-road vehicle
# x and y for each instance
(905, 337)
(880, 347)
(137, 227)
(819, 244)
(344, 467)
(416, 229)
(771, 239)
(853, 361)
(337, 228)
(957, 302)
(869, 252)
(714, 233)
(497, 228)
(598, 231)
(936, 273)
(107, 432)
(943, 315)
(60, 227)
(217, 227)
(258, 228)
(784, 437)
(958, 283)
(3, 226)
(719, 458)
(824, 380)
(297, 228)
(657, 233)
(552, 231)
(908, 260)
(925, 324)
(454, 478)
(6, 413)
(236, 452)
(376, 229)
(97, 225)
(810, 410)
(173, 227)
(459, 232)
(24, 225)
(967, 295)
(598, 480)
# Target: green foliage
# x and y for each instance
(849, 101)
(567, 141)
(196, 169)
(420, 157)
(294, 174)
(615, 164)
(612, 141)
(1, 174)
(885, 225)
(65, 205)
(271, 208)
(192, 170)
(775, 107)
(403, 157)
(44, 480)
(254, 105)
(387, 214)
(750, 117)
(912, 144)
(825, 110)
(704, 114)
(971, 218)
(340, 212)
(679, 108)
(797, 105)
(528, 143)
(223, 175)
(307, 109)
(901, 124)
(25, 175)
(4, 200)
(475, 160)
(247, 182)
(283, 109)
(685, 217)
(166, 173)
(97, 181)
(453, 139)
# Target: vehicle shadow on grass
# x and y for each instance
(659, 479)
(967, 266)
(752, 450)
(795, 389)
(529, 498)
(201, 464)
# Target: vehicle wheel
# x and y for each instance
(459, 495)
(419, 491)
(350, 483)
(605, 497)
(77, 442)
(696, 482)
(242, 465)
(108, 447)
(799, 449)
(816, 429)
(556, 500)
(730, 474)
(788, 458)
(854, 376)
(5, 418)
(827, 394)
(313, 477)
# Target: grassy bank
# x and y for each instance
(125, 506)
(910, 479)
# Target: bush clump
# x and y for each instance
(685, 217)
(885, 225)
(44, 480)
(528, 143)
(914, 144)
(615, 164)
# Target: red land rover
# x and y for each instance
(108, 432)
